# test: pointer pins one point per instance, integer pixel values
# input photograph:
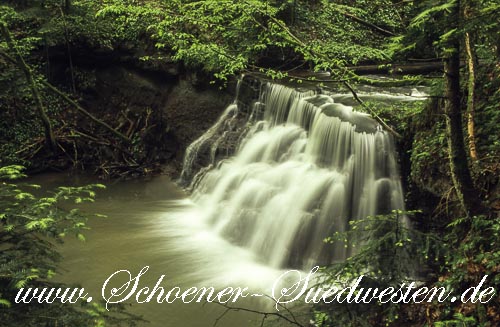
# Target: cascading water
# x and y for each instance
(304, 167)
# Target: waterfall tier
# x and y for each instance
(303, 167)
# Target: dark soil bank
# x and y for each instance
(172, 106)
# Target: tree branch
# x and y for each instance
(374, 114)
(19, 62)
(85, 112)
(72, 102)
(292, 321)
(374, 27)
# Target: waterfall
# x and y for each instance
(303, 167)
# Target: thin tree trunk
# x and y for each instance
(49, 133)
(471, 96)
(85, 112)
(67, 6)
(68, 47)
(471, 83)
(373, 27)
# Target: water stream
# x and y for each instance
(304, 165)
(153, 223)
(302, 170)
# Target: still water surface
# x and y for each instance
(153, 223)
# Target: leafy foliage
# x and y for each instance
(30, 225)
(387, 252)
(228, 37)
(429, 31)
(469, 258)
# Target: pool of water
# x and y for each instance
(153, 223)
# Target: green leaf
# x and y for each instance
(425, 15)
(32, 224)
(5, 303)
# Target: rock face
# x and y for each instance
(171, 106)
(130, 95)
(190, 109)
(220, 140)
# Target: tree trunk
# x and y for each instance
(49, 133)
(471, 83)
(471, 96)
(67, 6)
(68, 48)
(373, 27)
(460, 173)
(85, 112)
(399, 69)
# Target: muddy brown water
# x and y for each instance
(152, 223)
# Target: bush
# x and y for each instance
(30, 227)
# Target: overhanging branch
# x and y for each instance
(373, 113)
(363, 22)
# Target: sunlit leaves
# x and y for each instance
(428, 13)
(11, 172)
(29, 222)
(219, 36)
(228, 37)
(434, 25)
(4, 302)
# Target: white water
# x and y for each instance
(301, 173)
(298, 175)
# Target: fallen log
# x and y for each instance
(400, 69)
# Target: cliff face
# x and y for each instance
(162, 105)
(190, 109)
